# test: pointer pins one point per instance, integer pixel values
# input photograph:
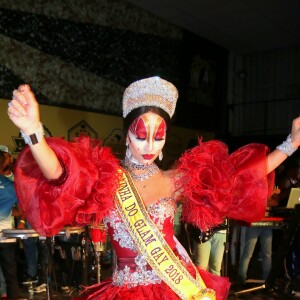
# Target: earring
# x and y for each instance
(127, 144)
(160, 156)
(128, 153)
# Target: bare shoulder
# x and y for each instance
(169, 173)
(172, 174)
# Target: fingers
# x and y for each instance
(17, 105)
(23, 94)
(23, 109)
(23, 99)
(16, 108)
(26, 92)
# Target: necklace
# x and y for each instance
(129, 163)
(150, 170)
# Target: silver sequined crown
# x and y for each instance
(152, 91)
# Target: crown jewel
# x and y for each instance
(152, 91)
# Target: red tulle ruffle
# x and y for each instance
(106, 290)
(215, 184)
(85, 196)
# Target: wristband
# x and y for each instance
(287, 147)
(35, 137)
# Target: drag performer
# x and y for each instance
(81, 182)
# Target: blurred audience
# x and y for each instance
(9, 163)
(208, 247)
(251, 236)
(9, 207)
(289, 178)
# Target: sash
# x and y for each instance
(152, 245)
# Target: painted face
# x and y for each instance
(146, 137)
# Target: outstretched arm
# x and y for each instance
(24, 112)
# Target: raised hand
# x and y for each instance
(295, 132)
(23, 109)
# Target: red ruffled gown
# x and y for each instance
(213, 185)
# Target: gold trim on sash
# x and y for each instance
(151, 243)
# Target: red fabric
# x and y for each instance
(219, 185)
(108, 291)
(213, 183)
(85, 196)
(105, 290)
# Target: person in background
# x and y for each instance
(9, 163)
(8, 173)
(67, 256)
(34, 252)
(8, 204)
(251, 236)
(29, 244)
(290, 178)
(31, 253)
(81, 182)
(208, 247)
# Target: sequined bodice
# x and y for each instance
(132, 268)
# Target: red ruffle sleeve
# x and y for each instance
(215, 185)
(84, 196)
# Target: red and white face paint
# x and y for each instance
(146, 137)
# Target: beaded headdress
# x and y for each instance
(152, 91)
